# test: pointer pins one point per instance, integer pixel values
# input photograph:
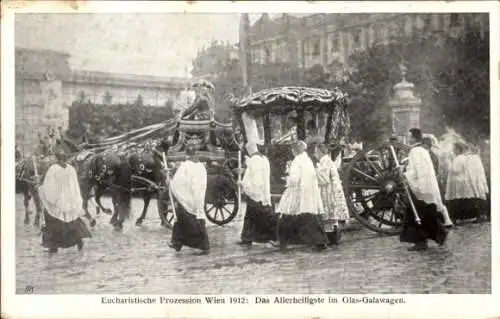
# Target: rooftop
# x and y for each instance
(41, 63)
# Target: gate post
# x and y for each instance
(405, 108)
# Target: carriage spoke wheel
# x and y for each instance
(374, 190)
(221, 204)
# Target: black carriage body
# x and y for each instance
(293, 107)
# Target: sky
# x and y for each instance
(159, 44)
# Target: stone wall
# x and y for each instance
(46, 87)
(39, 107)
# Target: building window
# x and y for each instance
(107, 98)
(267, 54)
(279, 51)
(401, 27)
(356, 39)
(316, 48)
(334, 42)
(366, 37)
(427, 22)
(454, 20)
(439, 21)
(255, 56)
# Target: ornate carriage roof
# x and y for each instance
(297, 96)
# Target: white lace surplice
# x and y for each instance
(256, 182)
(465, 179)
(60, 193)
(302, 192)
(478, 176)
(189, 186)
(422, 178)
(332, 193)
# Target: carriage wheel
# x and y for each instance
(375, 193)
(221, 201)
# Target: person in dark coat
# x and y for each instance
(424, 191)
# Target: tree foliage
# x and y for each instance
(451, 76)
(110, 120)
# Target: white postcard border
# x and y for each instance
(88, 306)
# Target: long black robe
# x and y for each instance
(189, 230)
(431, 226)
(260, 223)
(60, 234)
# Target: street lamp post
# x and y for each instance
(405, 107)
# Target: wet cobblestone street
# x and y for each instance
(139, 261)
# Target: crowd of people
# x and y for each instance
(463, 185)
(313, 208)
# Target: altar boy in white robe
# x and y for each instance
(188, 189)
(332, 194)
(421, 179)
(301, 206)
(260, 224)
(62, 202)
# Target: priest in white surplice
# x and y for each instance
(62, 202)
(466, 188)
(300, 206)
(260, 224)
(188, 189)
(421, 179)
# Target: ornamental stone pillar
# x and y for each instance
(405, 108)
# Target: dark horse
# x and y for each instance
(147, 176)
(134, 172)
(25, 173)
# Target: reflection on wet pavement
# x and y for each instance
(138, 260)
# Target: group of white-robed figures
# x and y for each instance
(311, 210)
(463, 186)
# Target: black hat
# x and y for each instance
(416, 133)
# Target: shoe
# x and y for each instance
(441, 240)
(319, 248)
(274, 243)
(418, 247)
(177, 248)
(334, 237)
(204, 252)
(52, 250)
(79, 245)
(244, 243)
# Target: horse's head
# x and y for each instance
(141, 162)
(99, 167)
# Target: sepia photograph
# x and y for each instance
(251, 153)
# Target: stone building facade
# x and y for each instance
(331, 38)
(46, 87)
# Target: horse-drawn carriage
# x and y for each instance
(273, 118)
